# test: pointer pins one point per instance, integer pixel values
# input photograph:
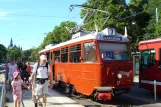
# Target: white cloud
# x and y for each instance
(5, 15)
(5, 18)
(2, 13)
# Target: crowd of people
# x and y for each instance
(21, 73)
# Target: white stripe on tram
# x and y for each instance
(150, 82)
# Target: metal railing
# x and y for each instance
(3, 88)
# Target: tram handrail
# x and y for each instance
(3, 91)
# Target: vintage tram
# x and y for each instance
(96, 64)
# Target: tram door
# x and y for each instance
(136, 64)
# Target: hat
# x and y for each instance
(15, 74)
(43, 57)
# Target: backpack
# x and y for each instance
(42, 81)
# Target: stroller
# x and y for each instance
(25, 76)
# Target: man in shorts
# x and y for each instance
(42, 73)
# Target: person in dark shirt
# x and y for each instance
(19, 64)
(24, 67)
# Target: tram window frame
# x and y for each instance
(64, 55)
(75, 53)
(48, 57)
(95, 58)
(151, 58)
(57, 56)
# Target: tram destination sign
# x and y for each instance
(112, 38)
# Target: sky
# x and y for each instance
(27, 21)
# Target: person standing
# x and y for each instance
(12, 67)
(42, 73)
(24, 67)
(28, 68)
(19, 64)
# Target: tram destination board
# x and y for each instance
(112, 38)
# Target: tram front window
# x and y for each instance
(147, 58)
(114, 51)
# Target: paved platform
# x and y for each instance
(54, 99)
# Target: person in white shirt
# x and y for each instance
(42, 72)
(12, 67)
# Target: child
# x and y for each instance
(17, 91)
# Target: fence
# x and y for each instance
(2, 86)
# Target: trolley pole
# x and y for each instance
(155, 95)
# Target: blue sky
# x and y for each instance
(28, 31)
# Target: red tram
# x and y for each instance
(150, 64)
(96, 64)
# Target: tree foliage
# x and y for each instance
(3, 52)
(140, 11)
(59, 34)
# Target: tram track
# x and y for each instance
(88, 102)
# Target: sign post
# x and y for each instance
(155, 96)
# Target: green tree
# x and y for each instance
(121, 15)
(116, 8)
(153, 29)
(59, 34)
(141, 18)
(26, 54)
(34, 54)
(3, 52)
(13, 53)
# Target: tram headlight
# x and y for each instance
(119, 76)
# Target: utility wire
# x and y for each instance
(43, 16)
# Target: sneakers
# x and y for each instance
(34, 100)
(40, 103)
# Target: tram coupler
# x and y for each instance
(104, 96)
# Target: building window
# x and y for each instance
(90, 52)
(75, 53)
(57, 56)
(64, 55)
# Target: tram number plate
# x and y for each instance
(112, 38)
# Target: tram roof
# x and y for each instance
(150, 41)
(88, 36)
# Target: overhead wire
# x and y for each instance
(43, 16)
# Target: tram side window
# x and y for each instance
(48, 57)
(147, 58)
(90, 52)
(64, 55)
(57, 56)
(75, 53)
